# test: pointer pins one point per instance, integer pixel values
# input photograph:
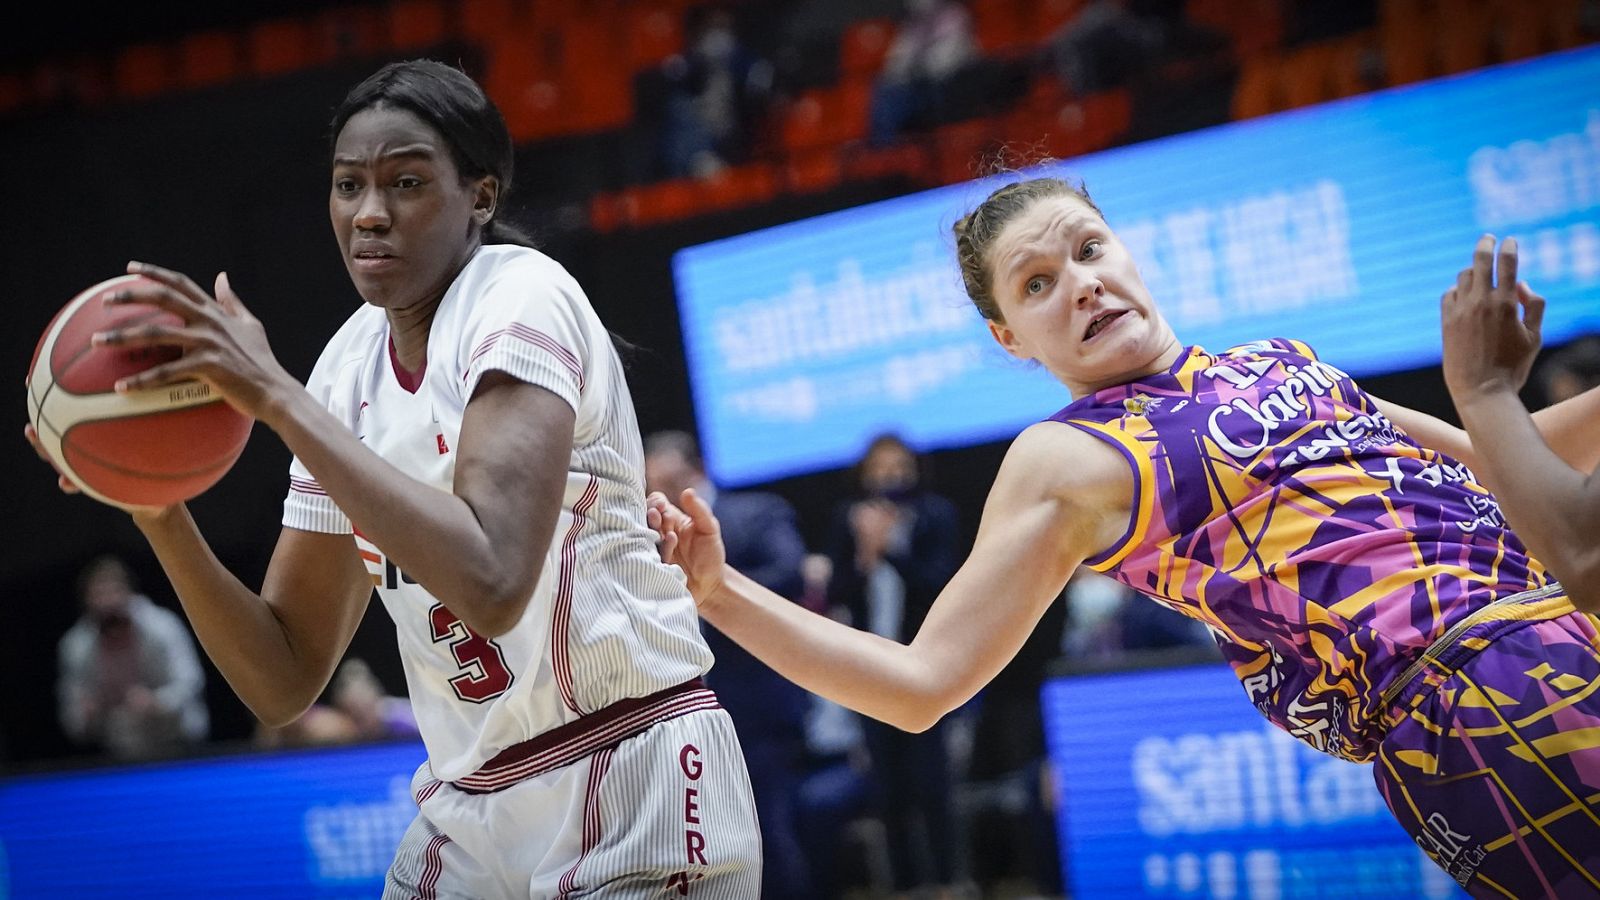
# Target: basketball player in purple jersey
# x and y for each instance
(1363, 587)
(467, 446)
(1488, 351)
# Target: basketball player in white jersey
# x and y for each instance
(467, 444)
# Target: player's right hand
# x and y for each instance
(691, 538)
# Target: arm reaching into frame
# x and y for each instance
(1042, 519)
(1491, 330)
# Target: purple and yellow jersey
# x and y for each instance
(1324, 548)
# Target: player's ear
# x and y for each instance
(486, 196)
(1007, 339)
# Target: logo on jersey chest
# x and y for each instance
(437, 441)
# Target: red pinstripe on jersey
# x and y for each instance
(539, 339)
(560, 631)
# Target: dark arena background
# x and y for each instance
(752, 194)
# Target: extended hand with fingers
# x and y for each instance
(690, 538)
(1491, 323)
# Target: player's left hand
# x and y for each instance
(222, 343)
(691, 538)
(1491, 323)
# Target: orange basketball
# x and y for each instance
(151, 448)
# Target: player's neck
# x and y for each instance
(408, 333)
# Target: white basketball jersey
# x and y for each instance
(607, 620)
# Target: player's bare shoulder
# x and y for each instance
(1088, 479)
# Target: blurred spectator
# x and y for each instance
(321, 725)
(375, 715)
(896, 544)
(1105, 46)
(1106, 619)
(130, 678)
(1571, 370)
(834, 806)
(716, 91)
(1010, 817)
(1309, 21)
(762, 541)
(356, 709)
(933, 41)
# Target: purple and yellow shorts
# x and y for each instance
(1492, 757)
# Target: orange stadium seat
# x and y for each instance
(1256, 92)
(1307, 75)
(910, 160)
(1406, 30)
(417, 24)
(1563, 20)
(347, 32)
(1002, 25)
(207, 58)
(960, 149)
(654, 34)
(519, 77)
(483, 21)
(277, 46)
(600, 91)
(1106, 116)
(144, 70)
(863, 46)
(1466, 36)
(1252, 26)
(667, 201)
(552, 13)
(803, 127)
(813, 171)
(826, 117)
(737, 186)
(1045, 17)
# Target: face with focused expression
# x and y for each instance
(1073, 300)
(405, 219)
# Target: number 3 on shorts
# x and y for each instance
(484, 674)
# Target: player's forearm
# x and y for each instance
(872, 675)
(431, 534)
(1553, 507)
(238, 629)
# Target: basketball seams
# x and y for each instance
(53, 363)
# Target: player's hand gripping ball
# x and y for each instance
(146, 448)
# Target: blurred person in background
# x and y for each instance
(1106, 619)
(130, 682)
(768, 710)
(375, 714)
(1571, 370)
(834, 809)
(717, 89)
(933, 41)
(895, 545)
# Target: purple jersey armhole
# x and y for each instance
(1121, 543)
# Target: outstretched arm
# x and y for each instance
(1060, 496)
(1552, 500)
